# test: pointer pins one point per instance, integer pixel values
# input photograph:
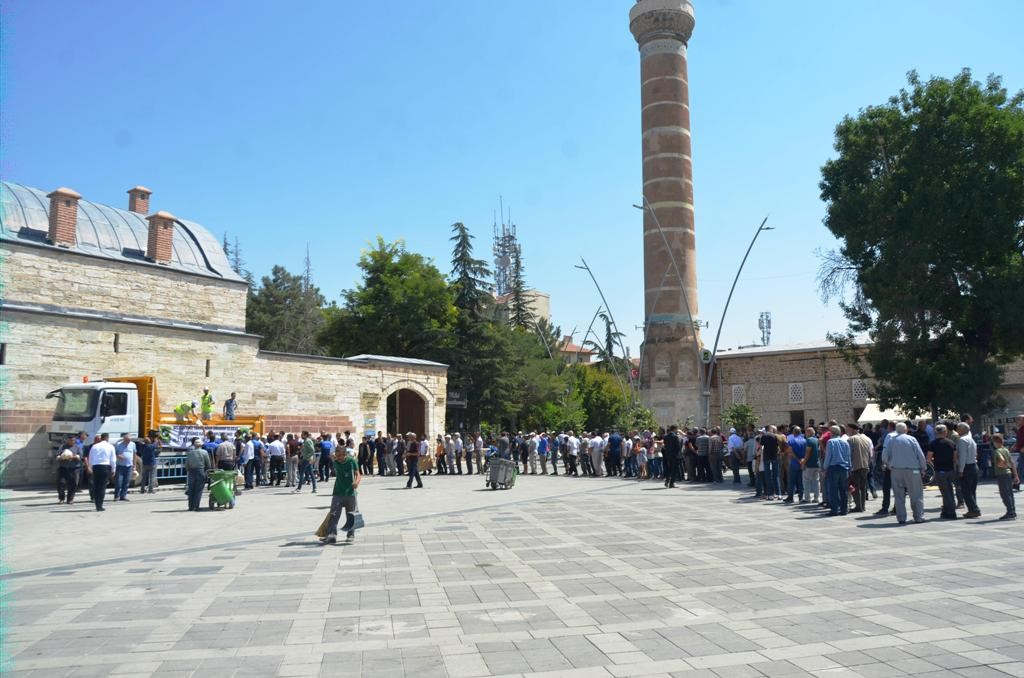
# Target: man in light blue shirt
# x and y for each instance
(736, 456)
(905, 459)
(837, 470)
(125, 449)
(967, 462)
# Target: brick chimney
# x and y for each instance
(161, 235)
(138, 199)
(63, 217)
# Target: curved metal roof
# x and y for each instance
(109, 232)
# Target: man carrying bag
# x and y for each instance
(346, 480)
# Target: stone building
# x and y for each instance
(91, 290)
(799, 382)
(538, 303)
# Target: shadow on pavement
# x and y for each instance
(893, 523)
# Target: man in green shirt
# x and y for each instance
(346, 480)
(1006, 476)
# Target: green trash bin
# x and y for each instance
(222, 488)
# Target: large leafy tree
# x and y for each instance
(403, 307)
(285, 310)
(926, 196)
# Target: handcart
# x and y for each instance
(502, 472)
(222, 489)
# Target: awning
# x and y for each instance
(874, 414)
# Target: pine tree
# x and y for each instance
(286, 313)
(469, 274)
(519, 314)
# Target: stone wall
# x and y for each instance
(294, 392)
(41, 276)
(827, 383)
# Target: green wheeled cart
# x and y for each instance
(222, 489)
(502, 473)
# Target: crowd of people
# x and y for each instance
(836, 468)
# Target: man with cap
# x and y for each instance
(206, 404)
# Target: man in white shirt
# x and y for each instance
(532, 451)
(459, 449)
(597, 456)
(246, 460)
(102, 458)
(277, 454)
(629, 458)
(574, 452)
(478, 451)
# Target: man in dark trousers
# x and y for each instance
(412, 460)
(102, 458)
(671, 450)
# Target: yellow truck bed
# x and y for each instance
(151, 418)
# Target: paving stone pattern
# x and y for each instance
(623, 579)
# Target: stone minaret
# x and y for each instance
(671, 369)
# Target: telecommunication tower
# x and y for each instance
(764, 323)
(506, 247)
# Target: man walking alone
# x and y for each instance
(412, 460)
(346, 479)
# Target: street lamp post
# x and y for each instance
(710, 366)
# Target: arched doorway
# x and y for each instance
(407, 412)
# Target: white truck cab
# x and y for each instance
(94, 407)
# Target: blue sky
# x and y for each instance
(329, 123)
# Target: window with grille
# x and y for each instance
(796, 394)
(739, 394)
(860, 389)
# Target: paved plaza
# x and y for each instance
(556, 577)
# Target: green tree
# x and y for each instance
(741, 417)
(926, 196)
(637, 418)
(519, 314)
(477, 357)
(469, 275)
(237, 261)
(403, 307)
(601, 395)
(286, 313)
(550, 337)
